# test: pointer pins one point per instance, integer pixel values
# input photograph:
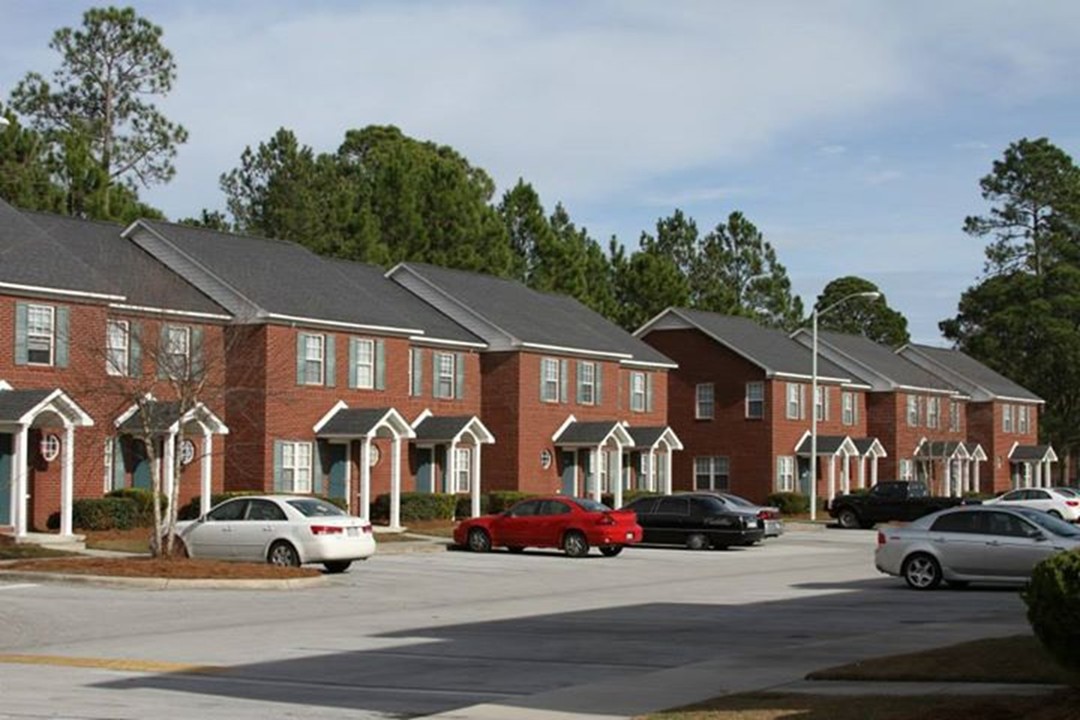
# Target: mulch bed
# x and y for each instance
(176, 568)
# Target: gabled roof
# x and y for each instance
(771, 350)
(591, 434)
(877, 364)
(271, 280)
(510, 316)
(143, 281)
(345, 422)
(14, 404)
(967, 373)
(23, 406)
(646, 438)
(941, 449)
(163, 416)
(1033, 453)
(827, 445)
(436, 429)
(32, 259)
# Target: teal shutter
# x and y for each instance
(330, 358)
(648, 392)
(61, 333)
(380, 365)
(353, 342)
(22, 314)
(135, 349)
(279, 481)
(196, 350)
(117, 463)
(599, 380)
(163, 358)
(418, 372)
(563, 379)
(300, 340)
(459, 368)
(580, 384)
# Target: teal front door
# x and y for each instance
(338, 459)
(424, 471)
(5, 478)
(140, 474)
(569, 473)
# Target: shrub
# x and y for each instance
(500, 500)
(464, 506)
(144, 504)
(108, 513)
(976, 497)
(628, 497)
(789, 503)
(1053, 600)
(417, 506)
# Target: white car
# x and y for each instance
(278, 529)
(1049, 500)
(972, 543)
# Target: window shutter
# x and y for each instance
(162, 358)
(418, 372)
(598, 380)
(330, 360)
(135, 349)
(380, 365)
(279, 481)
(648, 392)
(459, 368)
(300, 341)
(563, 376)
(353, 342)
(61, 332)
(117, 463)
(580, 384)
(22, 314)
(198, 366)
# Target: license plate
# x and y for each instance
(353, 532)
(751, 523)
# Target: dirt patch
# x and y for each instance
(135, 540)
(178, 568)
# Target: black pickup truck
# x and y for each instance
(888, 500)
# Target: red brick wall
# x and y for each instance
(985, 427)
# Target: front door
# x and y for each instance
(569, 473)
(424, 470)
(5, 479)
(140, 474)
(337, 456)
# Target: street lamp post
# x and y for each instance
(870, 295)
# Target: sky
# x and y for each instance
(852, 134)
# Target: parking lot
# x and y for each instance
(463, 635)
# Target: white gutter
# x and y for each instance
(347, 325)
(57, 291)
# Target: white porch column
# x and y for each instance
(1038, 474)
(873, 470)
(862, 472)
(832, 477)
(19, 507)
(668, 471)
(449, 478)
(365, 480)
(67, 479)
(964, 476)
(950, 488)
(1046, 475)
(206, 470)
(617, 486)
(169, 461)
(845, 474)
(976, 478)
(395, 483)
(474, 486)
(597, 458)
(652, 479)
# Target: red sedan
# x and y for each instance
(573, 524)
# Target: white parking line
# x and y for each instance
(18, 586)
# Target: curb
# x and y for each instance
(147, 583)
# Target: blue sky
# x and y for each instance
(853, 134)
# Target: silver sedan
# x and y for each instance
(279, 529)
(972, 544)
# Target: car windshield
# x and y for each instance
(313, 507)
(1049, 522)
(590, 505)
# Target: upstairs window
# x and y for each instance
(177, 351)
(550, 380)
(444, 375)
(637, 391)
(755, 400)
(933, 412)
(795, 395)
(821, 403)
(704, 405)
(365, 363)
(1023, 418)
(954, 416)
(117, 347)
(849, 409)
(1006, 418)
(586, 383)
(314, 359)
(39, 334)
(912, 411)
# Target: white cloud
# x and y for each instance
(832, 150)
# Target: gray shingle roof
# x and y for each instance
(161, 416)
(961, 367)
(861, 354)
(586, 433)
(353, 421)
(139, 277)
(16, 403)
(1032, 453)
(534, 317)
(770, 349)
(940, 449)
(646, 437)
(826, 444)
(436, 429)
(284, 278)
(30, 256)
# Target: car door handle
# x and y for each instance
(940, 540)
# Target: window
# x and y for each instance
(462, 469)
(444, 375)
(821, 403)
(637, 391)
(1006, 418)
(1023, 418)
(954, 416)
(957, 522)
(849, 410)
(710, 473)
(314, 359)
(704, 404)
(232, 510)
(365, 363)
(795, 394)
(674, 505)
(912, 411)
(39, 334)
(755, 400)
(177, 348)
(549, 378)
(933, 412)
(416, 372)
(586, 383)
(116, 347)
(785, 473)
(296, 467)
(907, 469)
(264, 510)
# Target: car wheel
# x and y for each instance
(574, 544)
(283, 554)
(479, 540)
(1054, 513)
(337, 566)
(848, 519)
(610, 550)
(697, 541)
(922, 572)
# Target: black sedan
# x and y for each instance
(696, 521)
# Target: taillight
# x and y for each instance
(1072, 503)
(327, 530)
(366, 529)
(880, 538)
(605, 519)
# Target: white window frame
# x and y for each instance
(912, 412)
(444, 363)
(849, 409)
(907, 469)
(933, 412)
(296, 467)
(755, 388)
(365, 363)
(462, 469)
(785, 473)
(637, 392)
(41, 328)
(821, 403)
(709, 466)
(177, 363)
(587, 383)
(314, 359)
(1023, 418)
(549, 380)
(954, 416)
(704, 401)
(1006, 418)
(118, 347)
(794, 404)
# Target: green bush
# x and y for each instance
(1053, 600)
(500, 500)
(108, 513)
(970, 495)
(789, 503)
(417, 506)
(464, 506)
(144, 504)
(628, 497)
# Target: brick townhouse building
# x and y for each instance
(90, 330)
(740, 401)
(1002, 417)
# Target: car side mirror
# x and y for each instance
(1037, 535)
